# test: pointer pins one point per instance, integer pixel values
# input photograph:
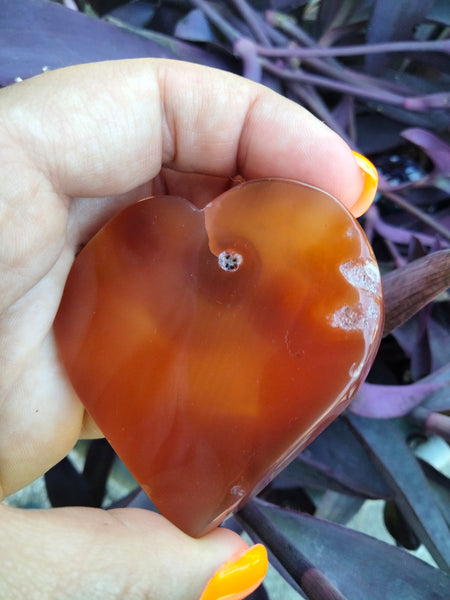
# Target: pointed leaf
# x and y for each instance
(195, 27)
(392, 21)
(407, 334)
(37, 34)
(410, 288)
(403, 475)
(358, 565)
(389, 401)
(339, 454)
(302, 473)
(289, 559)
(137, 13)
(434, 147)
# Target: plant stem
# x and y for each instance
(397, 235)
(338, 86)
(398, 258)
(230, 32)
(317, 51)
(289, 26)
(329, 66)
(433, 422)
(253, 21)
(413, 210)
(245, 49)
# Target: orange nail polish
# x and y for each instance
(238, 577)
(370, 185)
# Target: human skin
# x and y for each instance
(77, 145)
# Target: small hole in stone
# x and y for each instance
(229, 260)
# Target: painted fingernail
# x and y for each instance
(238, 577)
(370, 185)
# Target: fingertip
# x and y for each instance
(370, 185)
(239, 576)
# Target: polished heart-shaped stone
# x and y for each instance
(210, 346)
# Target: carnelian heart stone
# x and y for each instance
(210, 346)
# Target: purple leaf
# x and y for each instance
(439, 340)
(434, 147)
(37, 34)
(393, 233)
(335, 13)
(390, 401)
(415, 250)
(195, 27)
(403, 475)
(410, 288)
(377, 133)
(295, 566)
(338, 454)
(137, 13)
(358, 565)
(302, 473)
(392, 21)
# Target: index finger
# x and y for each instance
(105, 128)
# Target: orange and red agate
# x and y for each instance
(210, 346)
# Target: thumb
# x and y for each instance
(78, 553)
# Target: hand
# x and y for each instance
(76, 145)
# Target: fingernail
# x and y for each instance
(238, 577)
(370, 185)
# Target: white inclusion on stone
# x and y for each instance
(229, 260)
(364, 315)
(362, 273)
(350, 233)
(358, 316)
(238, 491)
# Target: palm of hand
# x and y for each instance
(71, 156)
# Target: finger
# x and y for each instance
(196, 188)
(88, 215)
(106, 128)
(79, 553)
